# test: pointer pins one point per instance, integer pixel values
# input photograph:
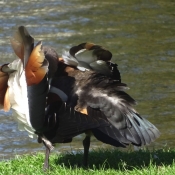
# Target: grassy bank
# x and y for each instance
(101, 162)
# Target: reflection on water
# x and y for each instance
(140, 34)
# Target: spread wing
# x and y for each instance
(97, 102)
(116, 106)
(103, 107)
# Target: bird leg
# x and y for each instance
(86, 144)
(46, 160)
(48, 145)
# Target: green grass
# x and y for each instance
(101, 162)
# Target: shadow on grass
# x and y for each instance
(115, 159)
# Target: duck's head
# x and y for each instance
(90, 56)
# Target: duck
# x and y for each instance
(102, 95)
(55, 98)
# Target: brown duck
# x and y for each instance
(62, 97)
(97, 92)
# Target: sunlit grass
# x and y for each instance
(100, 162)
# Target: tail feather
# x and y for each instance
(147, 131)
(122, 136)
(132, 130)
(138, 130)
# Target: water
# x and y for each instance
(140, 34)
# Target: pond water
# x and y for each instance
(140, 34)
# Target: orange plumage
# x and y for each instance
(3, 86)
(7, 101)
(35, 71)
(88, 46)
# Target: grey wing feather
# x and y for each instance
(103, 94)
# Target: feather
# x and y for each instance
(37, 66)
(68, 59)
(52, 58)
(100, 66)
(89, 46)
(86, 56)
(59, 92)
(5, 69)
(22, 44)
(7, 101)
(17, 45)
(3, 87)
(37, 98)
(18, 94)
(71, 123)
(98, 91)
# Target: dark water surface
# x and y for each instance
(140, 34)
